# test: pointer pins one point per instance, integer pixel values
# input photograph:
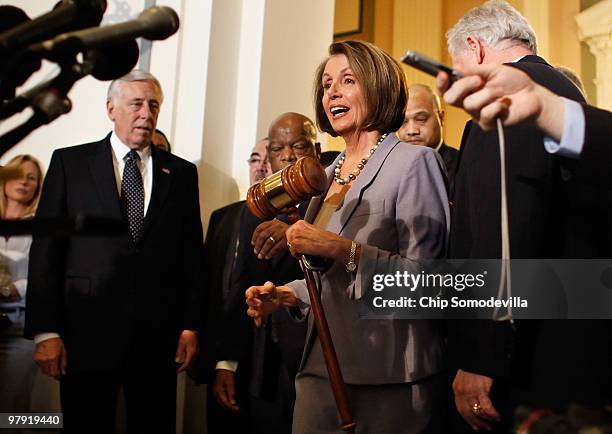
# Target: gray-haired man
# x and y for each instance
(119, 309)
(543, 364)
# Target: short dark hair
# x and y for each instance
(381, 79)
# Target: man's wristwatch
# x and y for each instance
(351, 266)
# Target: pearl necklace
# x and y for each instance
(351, 176)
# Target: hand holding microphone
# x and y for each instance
(489, 92)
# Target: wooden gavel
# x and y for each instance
(286, 188)
(279, 193)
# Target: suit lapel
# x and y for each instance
(103, 173)
(353, 197)
(317, 201)
(162, 179)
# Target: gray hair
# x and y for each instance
(493, 22)
(135, 75)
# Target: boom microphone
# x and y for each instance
(11, 75)
(69, 15)
(104, 63)
(154, 23)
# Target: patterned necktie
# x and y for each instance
(132, 194)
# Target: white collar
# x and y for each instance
(120, 149)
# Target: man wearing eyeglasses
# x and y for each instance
(258, 163)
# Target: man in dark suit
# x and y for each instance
(120, 309)
(424, 124)
(276, 348)
(537, 363)
(220, 249)
(577, 131)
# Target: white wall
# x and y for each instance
(233, 66)
(263, 54)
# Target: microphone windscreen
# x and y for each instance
(11, 78)
(90, 13)
(161, 21)
(10, 16)
(113, 61)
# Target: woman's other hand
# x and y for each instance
(266, 299)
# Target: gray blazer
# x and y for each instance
(397, 209)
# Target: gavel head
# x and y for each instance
(286, 188)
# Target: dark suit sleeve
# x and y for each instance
(237, 331)
(595, 162)
(46, 274)
(483, 346)
(192, 253)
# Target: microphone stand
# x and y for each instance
(327, 346)
(49, 102)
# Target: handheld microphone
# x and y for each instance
(155, 23)
(68, 16)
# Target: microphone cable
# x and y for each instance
(505, 277)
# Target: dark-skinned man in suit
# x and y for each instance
(275, 349)
(424, 125)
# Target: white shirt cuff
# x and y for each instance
(228, 365)
(572, 139)
(44, 336)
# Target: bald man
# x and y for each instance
(276, 348)
(423, 125)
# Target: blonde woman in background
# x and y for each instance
(18, 201)
(20, 389)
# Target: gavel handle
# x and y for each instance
(329, 354)
(327, 345)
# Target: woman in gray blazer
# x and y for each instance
(385, 210)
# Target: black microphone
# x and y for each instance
(11, 16)
(67, 16)
(104, 63)
(112, 61)
(155, 23)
